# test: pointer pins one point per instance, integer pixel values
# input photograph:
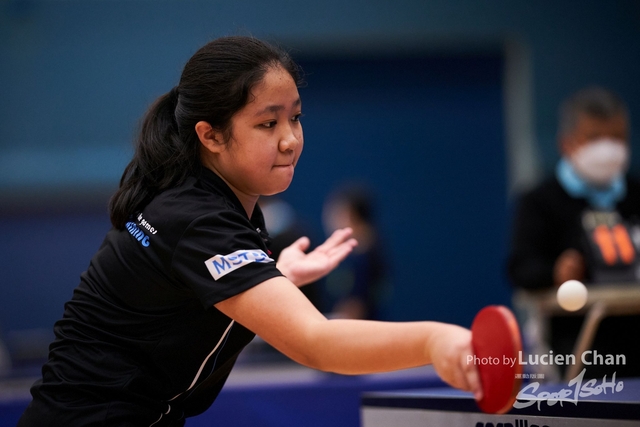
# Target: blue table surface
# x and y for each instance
(616, 400)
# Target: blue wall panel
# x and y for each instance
(426, 134)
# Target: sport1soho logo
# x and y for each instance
(517, 423)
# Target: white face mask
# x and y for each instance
(601, 161)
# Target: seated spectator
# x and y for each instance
(550, 239)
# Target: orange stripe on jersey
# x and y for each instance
(604, 239)
(623, 241)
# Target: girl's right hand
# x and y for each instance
(449, 349)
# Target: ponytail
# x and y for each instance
(161, 160)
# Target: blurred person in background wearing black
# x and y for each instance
(550, 240)
(360, 287)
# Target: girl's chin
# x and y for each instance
(277, 189)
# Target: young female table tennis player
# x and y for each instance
(183, 281)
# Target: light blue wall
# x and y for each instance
(78, 72)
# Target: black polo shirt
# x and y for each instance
(140, 341)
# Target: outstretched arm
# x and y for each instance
(303, 268)
(279, 313)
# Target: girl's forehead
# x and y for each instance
(275, 78)
(276, 90)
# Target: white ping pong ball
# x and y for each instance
(572, 295)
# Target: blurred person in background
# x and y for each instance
(552, 239)
(360, 287)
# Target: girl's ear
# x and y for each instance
(210, 138)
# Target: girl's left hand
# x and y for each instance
(304, 268)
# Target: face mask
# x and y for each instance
(601, 161)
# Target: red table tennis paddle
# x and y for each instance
(495, 336)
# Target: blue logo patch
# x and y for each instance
(137, 233)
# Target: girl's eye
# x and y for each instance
(269, 125)
(297, 117)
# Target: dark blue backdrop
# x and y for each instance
(427, 134)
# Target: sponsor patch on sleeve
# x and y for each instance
(221, 265)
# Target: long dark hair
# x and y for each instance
(215, 84)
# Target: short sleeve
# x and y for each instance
(221, 255)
